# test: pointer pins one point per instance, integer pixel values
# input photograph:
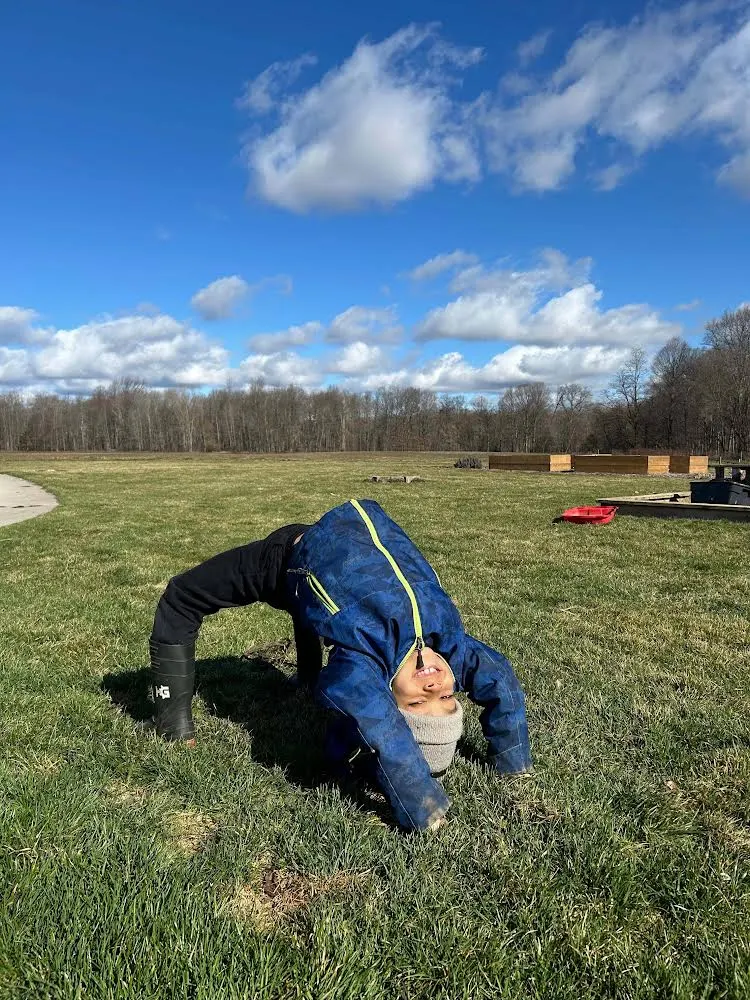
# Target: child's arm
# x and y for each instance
(489, 681)
(352, 686)
(309, 648)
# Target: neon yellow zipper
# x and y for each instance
(418, 640)
(321, 593)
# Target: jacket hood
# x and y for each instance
(358, 579)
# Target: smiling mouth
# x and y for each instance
(427, 671)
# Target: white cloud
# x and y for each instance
(15, 323)
(480, 316)
(15, 367)
(357, 359)
(294, 336)
(443, 262)
(612, 176)
(688, 306)
(546, 167)
(376, 129)
(281, 368)
(218, 300)
(530, 50)
(666, 74)
(515, 84)
(155, 350)
(388, 122)
(736, 173)
(557, 341)
(359, 323)
(18, 326)
(281, 282)
(553, 271)
(555, 365)
(553, 303)
(261, 95)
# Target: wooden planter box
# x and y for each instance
(518, 462)
(635, 465)
(694, 465)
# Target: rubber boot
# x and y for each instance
(172, 681)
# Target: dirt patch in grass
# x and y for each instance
(125, 794)
(734, 833)
(712, 812)
(190, 830)
(43, 766)
(187, 830)
(536, 810)
(277, 653)
(279, 894)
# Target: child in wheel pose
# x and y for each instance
(398, 651)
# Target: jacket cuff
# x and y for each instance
(424, 813)
(516, 760)
(438, 813)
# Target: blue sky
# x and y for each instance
(456, 196)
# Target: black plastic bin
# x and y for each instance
(720, 491)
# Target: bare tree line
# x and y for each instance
(689, 400)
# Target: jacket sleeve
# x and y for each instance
(352, 687)
(489, 681)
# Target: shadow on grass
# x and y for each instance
(466, 749)
(286, 726)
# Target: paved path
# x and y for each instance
(20, 500)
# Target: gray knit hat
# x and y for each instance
(437, 736)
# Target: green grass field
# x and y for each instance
(136, 869)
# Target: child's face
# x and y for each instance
(428, 691)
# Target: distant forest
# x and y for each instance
(686, 400)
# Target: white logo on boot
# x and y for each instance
(162, 691)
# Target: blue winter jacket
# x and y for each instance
(359, 581)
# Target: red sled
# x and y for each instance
(589, 515)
